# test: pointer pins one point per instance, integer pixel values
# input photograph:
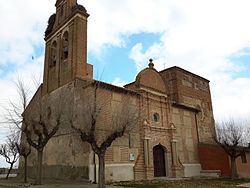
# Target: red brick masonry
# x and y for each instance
(213, 157)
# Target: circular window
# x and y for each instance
(156, 117)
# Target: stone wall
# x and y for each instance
(57, 172)
(65, 155)
(186, 135)
(66, 152)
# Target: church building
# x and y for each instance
(177, 115)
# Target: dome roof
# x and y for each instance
(150, 78)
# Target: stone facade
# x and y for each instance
(175, 106)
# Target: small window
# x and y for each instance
(156, 117)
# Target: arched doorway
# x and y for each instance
(159, 161)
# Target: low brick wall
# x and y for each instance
(244, 168)
(213, 157)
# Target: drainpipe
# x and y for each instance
(197, 129)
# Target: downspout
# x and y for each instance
(197, 130)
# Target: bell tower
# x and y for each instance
(66, 46)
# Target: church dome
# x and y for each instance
(150, 78)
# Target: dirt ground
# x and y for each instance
(186, 183)
(189, 183)
(17, 183)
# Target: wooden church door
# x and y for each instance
(159, 161)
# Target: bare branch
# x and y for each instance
(10, 152)
(233, 137)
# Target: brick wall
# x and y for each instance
(192, 90)
(244, 168)
(212, 157)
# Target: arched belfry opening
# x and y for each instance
(53, 58)
(159, 161)
(65, 45)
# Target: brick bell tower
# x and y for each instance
(66, 46)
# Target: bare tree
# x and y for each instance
(14, 119)
(38, 131)
(41, 121)
(15, 109)
(24, 150)
(9, 152)
(233, 137)
(92, 117)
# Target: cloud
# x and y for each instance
(231, 98)
(119, 82)
(111, 22)
(22, 30)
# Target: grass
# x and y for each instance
(190, 183)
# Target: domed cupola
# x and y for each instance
(150, 78)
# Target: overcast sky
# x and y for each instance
(210, 38)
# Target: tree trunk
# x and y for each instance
(11, 165)
(234, 173)
(39, 167)
(25, 169)
(101, 173)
